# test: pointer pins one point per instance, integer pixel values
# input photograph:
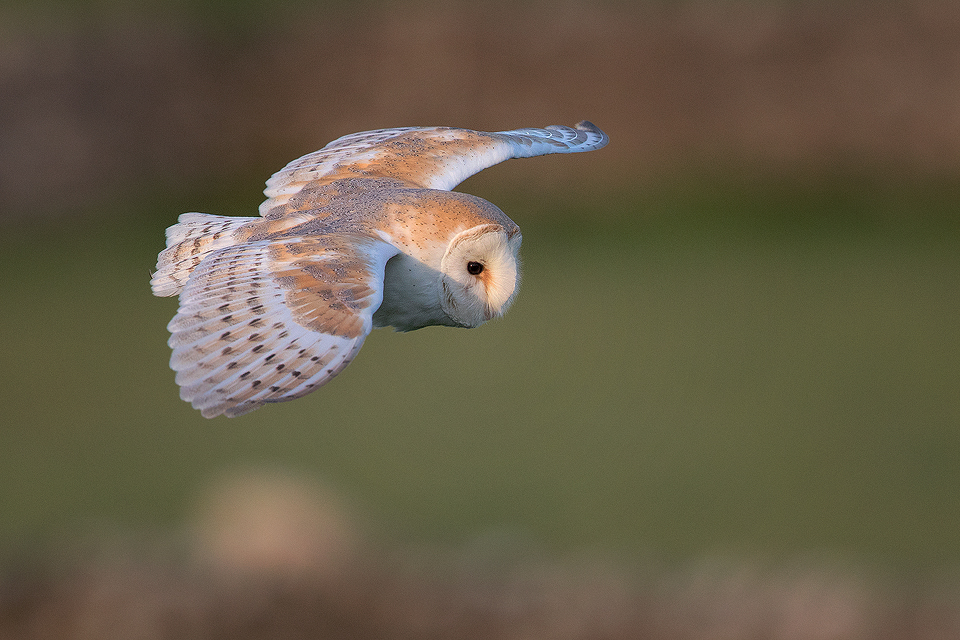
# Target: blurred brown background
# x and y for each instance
(100, 103)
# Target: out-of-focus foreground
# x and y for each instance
(275, 556)
(725, 404)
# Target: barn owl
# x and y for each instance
(363, 233)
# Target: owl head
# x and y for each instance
(480, 273)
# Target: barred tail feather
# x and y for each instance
(195, 236)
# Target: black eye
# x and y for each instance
(474, 268)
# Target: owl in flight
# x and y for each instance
(363, 233)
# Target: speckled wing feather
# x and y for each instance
(428, 157)
(188, 242)
(271, 321)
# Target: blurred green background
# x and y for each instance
(737, 330)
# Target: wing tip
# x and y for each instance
(589, 127)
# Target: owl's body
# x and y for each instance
(361, 234)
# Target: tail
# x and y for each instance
(188, 242)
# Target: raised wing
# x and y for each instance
(427, 157)
(271, 321)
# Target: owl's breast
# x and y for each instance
(411, 296)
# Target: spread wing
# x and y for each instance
(429, 157)
(271, 321)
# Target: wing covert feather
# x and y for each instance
(271, 321)
(424, 157)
